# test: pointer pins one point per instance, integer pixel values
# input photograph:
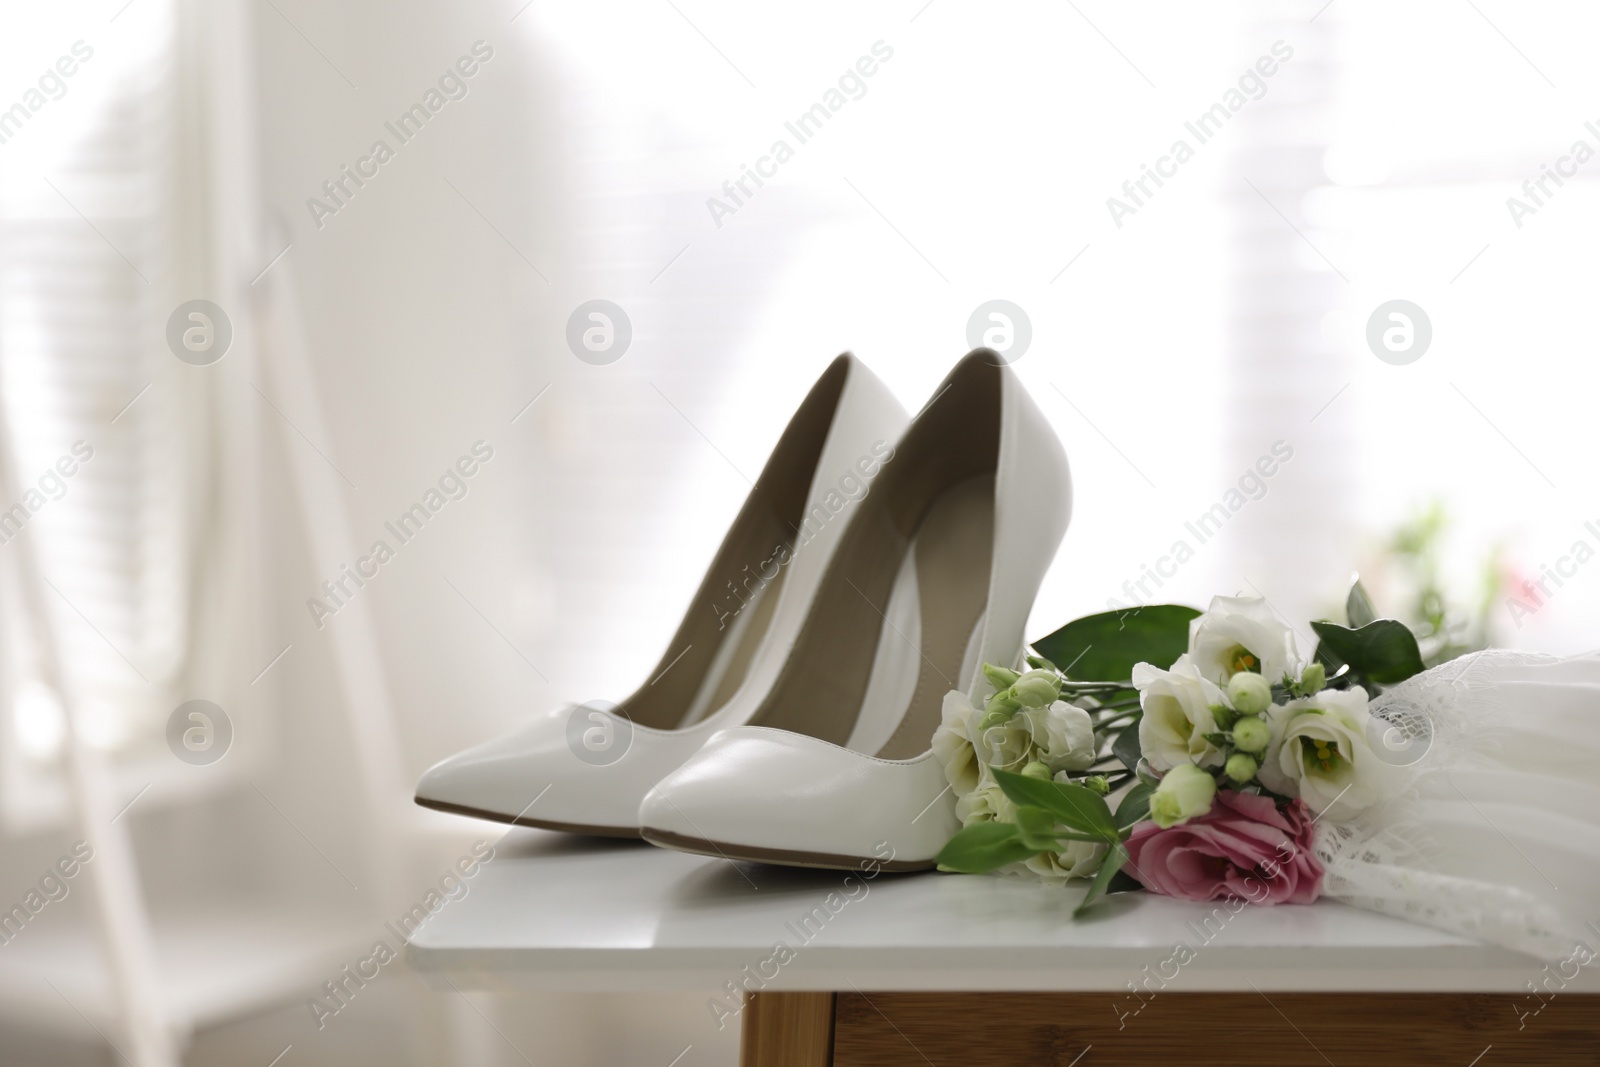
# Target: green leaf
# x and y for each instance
(1075, 806)
(1034, 828)
(1126, 747)
(984, 847)
(1123, 882)
(1108, 869)
(1358, 611)
(1105, 647)
(1385, 651)
(1135, 806)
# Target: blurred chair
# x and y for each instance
(172, 943)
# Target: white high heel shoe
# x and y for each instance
(588, 766)
(935, 576)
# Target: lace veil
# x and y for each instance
(1491, 828)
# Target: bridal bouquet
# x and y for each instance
(1220, 746)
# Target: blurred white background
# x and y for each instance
(1171, 345)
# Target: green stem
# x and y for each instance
(1115, 711)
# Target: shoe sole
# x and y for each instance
(781, 856)
(523, 820)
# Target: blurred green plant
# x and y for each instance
(1444, 629)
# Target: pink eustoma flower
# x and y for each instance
(1246, 846)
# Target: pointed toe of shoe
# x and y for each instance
(660, 817)
(452, 783)
(566, 770)
(507, 779)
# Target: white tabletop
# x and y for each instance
(552, 911)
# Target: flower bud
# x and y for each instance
(1036, 689)
(1097, 783)
(1241, 767)
(1313, 678)
(1249, 693)
(991, 719)
(1002, 702)
(1224, 716)
(1036, 770)
(1251, 734)
(1000, 677)
(1185, 792)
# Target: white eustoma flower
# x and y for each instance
(952, 743)
(1242, 633)
(1319, 752)
(1177, 715)
(984, 804)
(1063, 735)
(1008, 745)
(1077, 859)
(966, 751)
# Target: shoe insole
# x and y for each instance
(855, 675)
(737, 606)
(896, 664)
(951, 553)
(737, 652)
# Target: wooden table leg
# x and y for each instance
(787, 1030)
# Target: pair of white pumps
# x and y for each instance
(790, 720)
